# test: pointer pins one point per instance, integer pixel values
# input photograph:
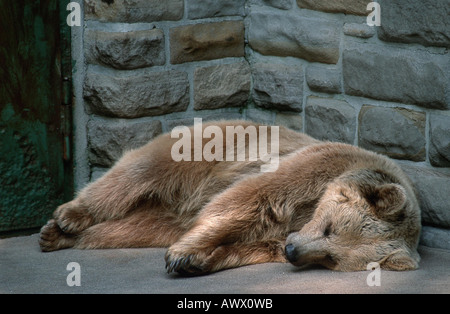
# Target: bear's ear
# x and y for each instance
(386, 199)
(400, 260)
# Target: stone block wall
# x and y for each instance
(314, 66)
(151, 65)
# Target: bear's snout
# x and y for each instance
(302, 249)
(291, 252)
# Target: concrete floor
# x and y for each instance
(25, 269)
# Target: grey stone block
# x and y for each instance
(133, 11)
(260, 116)
(395, 132)
(425, 22)
(278, 86)
(435, 237)
(359, 30)
(206, 41)
(396, 74)
(220, 86)
(330, 120)
(440, 140)
(97, 173)
(336, 6)
(433, 189)
(118, 94)
(125, 50)
(108, 140)
(291, 121)
(279, 4)
(281, 33)
(325, 79)
(215, 115)
(197, 9)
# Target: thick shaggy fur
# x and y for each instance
(328, 203)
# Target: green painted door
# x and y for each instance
(35, 76)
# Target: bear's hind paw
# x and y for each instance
(52, 238)
(72, 218)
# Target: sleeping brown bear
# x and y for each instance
(326, 203)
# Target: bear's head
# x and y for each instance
(363, 216)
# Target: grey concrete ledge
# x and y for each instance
(24, 269)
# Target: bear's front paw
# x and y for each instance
(185, 262)
(72, 218)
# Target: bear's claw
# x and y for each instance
(177, 264)
(182, 265)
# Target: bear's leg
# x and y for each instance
(231, 256)
(111, 197)
(241, 214)
(211, 230)
(140, 228)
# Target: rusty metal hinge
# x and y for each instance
(66, 116)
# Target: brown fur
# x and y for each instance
(332, 204)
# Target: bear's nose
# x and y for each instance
(291, 252)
